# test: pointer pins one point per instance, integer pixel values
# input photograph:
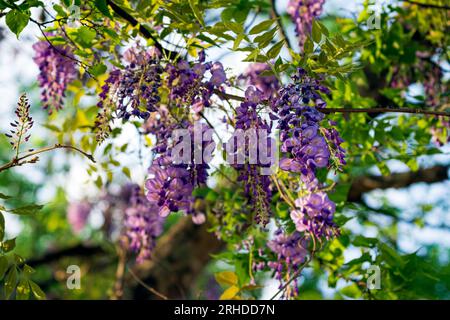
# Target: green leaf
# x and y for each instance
(126, 171)
(37, 292)
(194, 6)
(351, 291)
(2, 226)
(4, 196)
(3, 266)
(10, 281)
(98, 69)
(275, 50)
(17, 20)
(228, 278)
(316, 33)
(238, 41)
(264, 39)
(26, 210)
(8, 245)
(361, 241)
(230, 293)
(27, 270)
(102, 6)
(23, 290)
(260, 27)
(85, 36)
(308, 47)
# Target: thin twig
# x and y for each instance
(275, 15)
(224, 95)
(18, 161)
(142, 283)
(142, 29)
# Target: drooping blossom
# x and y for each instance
(246, 149)
(303, 12)
(78, 214)
(169, 188)
(267, 84)
(133, 91)
(291, 251)
(56, 70)
(172, 181)
(314, 213)
(143, 224)
(189, 85)
(306, 146)
(304, 141)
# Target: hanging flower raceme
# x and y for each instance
(133, 91)
(189, 84)
(307, 146)
(291, 251)
(250, 153)
(302, 13)
(78, 214)
(177, 171)
(315, 213)
(56, 70)
(267, 84)
(304, 145)
(143, 224)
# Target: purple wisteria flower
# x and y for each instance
(257, 185)
(189, 84)
(133, 91)
(78, 214)
(302, 13)
(143, 224)
(267, 84)
(315, 213)
(56, 70)
(307, 146)
(304, 146)
(169, 187)
(291, 251)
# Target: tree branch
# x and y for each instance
(427, 5)
(276, 16)
(142, 29)
(178, 258)
(81, 250)
(365, 184)
(18, 161)
(228, 96)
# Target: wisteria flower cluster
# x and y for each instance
(171, 182)
(78, 214)
(291, 251)
(256, 184)
(56, 70)
(188, 83)
(302, 13)
(307, 146)
(315, 214)
(267, 84)
(143, 224)
(133, 91)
